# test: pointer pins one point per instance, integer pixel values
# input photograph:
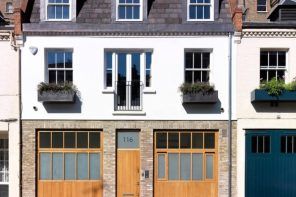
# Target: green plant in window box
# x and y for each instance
(51, 92)
(276, 87)
(199, 93)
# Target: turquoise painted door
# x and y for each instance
(271, 163)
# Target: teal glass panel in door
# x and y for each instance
(270, 171)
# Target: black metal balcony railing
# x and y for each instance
(128, 96)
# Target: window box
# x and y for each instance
(200, 97)
(59, 97)
(263, 96)
(60, 93)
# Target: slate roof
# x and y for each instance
(162, 16)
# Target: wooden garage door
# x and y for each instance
(185, 164)
(69, 164)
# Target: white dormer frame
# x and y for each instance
(212, 2)
(43, 10)
(129, 4)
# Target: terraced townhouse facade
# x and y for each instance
(266, 124)
(128, 130)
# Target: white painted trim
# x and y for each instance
(129, 113)
(212, 5)
(129, 20)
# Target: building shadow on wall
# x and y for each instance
(272, 107)
(64, 107)
(203, 108)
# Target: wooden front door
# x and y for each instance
(128, 164)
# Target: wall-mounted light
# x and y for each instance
(33, 50)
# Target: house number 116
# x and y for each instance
(128, 139)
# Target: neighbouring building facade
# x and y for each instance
(266, 126)
(9, 109)
(125, 129)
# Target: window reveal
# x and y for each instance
(59, 65)
(272, 65)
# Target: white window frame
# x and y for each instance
(6, 168)
(129, 4)
(277, 67)
(54, 4)
(261, 6)
(128, 63)
(211, 11)
(57, 69)
(198, 69)
(7, 9)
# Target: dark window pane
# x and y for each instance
(69, 75)
(66, 12)
(260, 144)
(197, 60)
(289, 144)
(94, 140)
(136, 66)
(68, 59)
(271, 74)
(129, 11)
(206, 60)
(57, 140)
(185, 140)
(263, 58)
(121, 12)
(61, 76)
(121, 67)
(69, 139)
(199, 12)
(60, 59)
(205, 76)
(59, 11)
(136, 12)
(254, 144)
(82, 139)
(173, 140)
(45, 139)
(283, 144)
(266, 144)
(51, 12)
(263, 75)
(94, 166)
(148, 60)
(197, 140)
(281, 74)
(51, 59)
(188, 76)
(272, 58)
(207, 12)
(197, 76)
(282, 58)
(161, 140)
(192, 12)
(188, 60)
(109, 78)
(109, 60)
(52, 76)
(148, 78)
(209, 140)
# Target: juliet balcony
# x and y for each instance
(128, 96)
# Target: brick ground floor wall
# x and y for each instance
(109, 128)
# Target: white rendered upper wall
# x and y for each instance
(248, 75)
(162, 101)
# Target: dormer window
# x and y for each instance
(58, 10)
(261, 6)
(129, 10)
(200, 10)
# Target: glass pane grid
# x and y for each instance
(197, 67)
(272, 65)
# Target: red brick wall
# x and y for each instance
(8, 16)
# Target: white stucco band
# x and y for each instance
(167, 76)
(249, 124)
